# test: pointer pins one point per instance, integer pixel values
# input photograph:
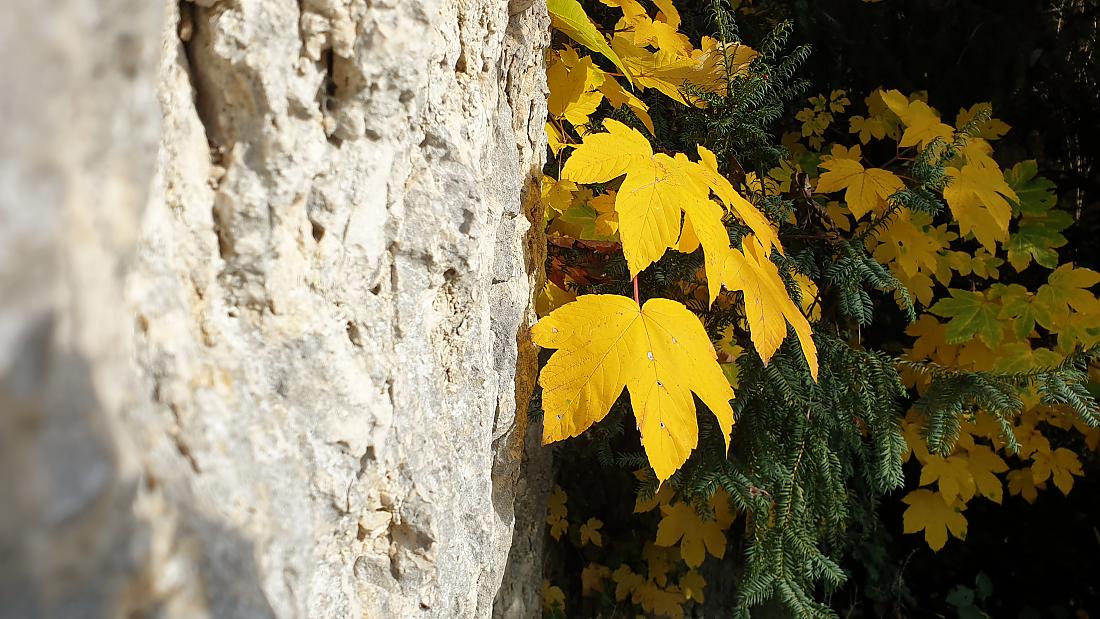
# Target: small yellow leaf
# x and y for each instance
(660, 353)
(590, 532)
(696, 536)
(592, 577)
(928, 512)
(692, 585)
(1022, 483)
(1061, 464)
(552, 597)
(656, 190)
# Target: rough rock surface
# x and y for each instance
(292, 390)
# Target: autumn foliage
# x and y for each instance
(754, 278)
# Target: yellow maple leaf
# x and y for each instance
(706, 172)
(618, 96)
(663, 70)
(574, 93)
(552, 597)
(978, 196)
(768, 308)
(660, 353)
(592, 577)
(1022, 483)
(626, 582)
(953, 475)
(557, 512)
(656, 190)
(866, 189)
(922, 123)
(992, 129)
(984, 463)
(905, 244)
(590, 532)
(1060, 464)
(692, 585)
(928, 512)
(696, 536)
(1066, 292)
(658, 561)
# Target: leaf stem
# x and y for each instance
(637, 297)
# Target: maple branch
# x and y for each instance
(637, 297)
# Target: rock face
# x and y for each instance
(273, 368)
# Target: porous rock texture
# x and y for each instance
(278, 366)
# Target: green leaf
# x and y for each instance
(569, 17)
(971, 315)
(1039, 230)
(1035, 193)
(1036, 238)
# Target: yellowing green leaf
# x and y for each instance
(695, 535)
(865, 189)
(569, 17)
(768, 307)
(928, 512)
(660, 353)
(978, 196)
(1066, 291)
(971, 315)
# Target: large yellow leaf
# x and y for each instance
(768, 307)
(569, 17)
(978, 196)
(866, 189)
(652, 195)
(660, 353)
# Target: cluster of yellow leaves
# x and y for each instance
(996, 330)
(817, 117)
(668, 580)
(649, 203)
(649, 53)
(557, 514)
(1002, 328)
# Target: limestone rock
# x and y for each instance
(280, 380)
